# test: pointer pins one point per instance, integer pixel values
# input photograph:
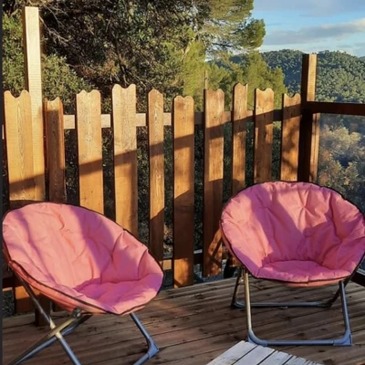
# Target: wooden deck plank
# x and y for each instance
(232, 355)
(193, 325)
(245, 353)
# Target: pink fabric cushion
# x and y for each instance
(298, 233)
(80, 258)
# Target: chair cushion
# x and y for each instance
(80, 258)
(298, 233)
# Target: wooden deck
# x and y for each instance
(194, 325)
(246, 353)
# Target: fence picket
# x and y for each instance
(55, 150)
(213, 180)
(263, 118)
(125, 157)
(183, 132)
(88, 127)
(290, 137)
(155, 125)
(19, 145)
(240, 116)
(22, 178)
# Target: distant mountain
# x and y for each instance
(340, 76)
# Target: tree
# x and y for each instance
(341, 162)
(231, 28)
(58, 78)
(154, 44)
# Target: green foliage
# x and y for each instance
(248, 69)
(290, 62)
(59, 80)
(230, 27)
(340, 76)
(13, 58)
(342, 163)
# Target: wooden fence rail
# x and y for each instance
(23, 179)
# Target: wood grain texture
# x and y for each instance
(157, 175)
(240, 116)
(263, 119)
(55, 150)
(32, 54)
(290, 138)
(213, 181)
(183, 141)
(125, 157)
(19, 147)
(195, 324)
(88, 127)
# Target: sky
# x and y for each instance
(313, 25)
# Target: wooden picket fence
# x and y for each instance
(36, 165)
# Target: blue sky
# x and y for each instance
(313, 25)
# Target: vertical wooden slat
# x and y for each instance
(290, 138)
(32, 53)
(309, 129)
(125, 157)
(239, 119)
(22, 178)
(183, 130)
(156, 166)
(19, 145)
(55, 150)
(264, 115)
(89, 141)
(213, 180)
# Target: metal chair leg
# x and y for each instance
(345, 340)
(152, 347)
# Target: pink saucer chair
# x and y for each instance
(296, 233)
(84, 262)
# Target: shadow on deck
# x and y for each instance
(193, 325)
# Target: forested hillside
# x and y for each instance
(340, 76)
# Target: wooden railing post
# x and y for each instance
(32, 54)
(309, 126)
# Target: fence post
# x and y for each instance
(32, 54)
(309, 126)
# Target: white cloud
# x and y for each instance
(315, 33)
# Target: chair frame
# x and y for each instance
(57, 332)
(243, 278)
